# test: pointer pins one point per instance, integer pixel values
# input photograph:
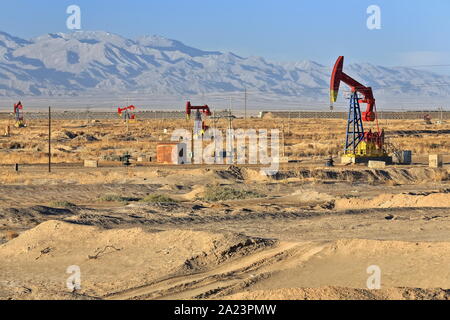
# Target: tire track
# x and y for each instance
(226, 276)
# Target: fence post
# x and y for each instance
(49, 139)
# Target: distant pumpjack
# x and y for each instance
(18, 115)
(199, 124)
(127, 113)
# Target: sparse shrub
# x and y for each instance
(229, 193)
(434, 146)
(63, 204)
(158, 198)
(70, 134)
(117, 198)
(15, 145)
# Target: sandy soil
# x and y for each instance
(309, 232)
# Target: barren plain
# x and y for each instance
(153, 231)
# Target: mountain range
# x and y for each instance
(84, 63)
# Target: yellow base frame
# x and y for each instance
(368, 149)
(20, 124)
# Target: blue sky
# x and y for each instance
(414, 32)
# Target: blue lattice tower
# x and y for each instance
(355, 128)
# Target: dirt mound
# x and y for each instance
(268, 116)
(111, 260)
(312, 196)
(32, 216)
(86, 138)
(391, 175)
(254, 175)
(66, 135)
(337, 293)
(433, 200)
(197, 190)
(344, 263)
(232, 172)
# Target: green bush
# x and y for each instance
(229, 193)
(63, 204)
(117, 198)
(158, 198)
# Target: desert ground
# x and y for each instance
(152, 231)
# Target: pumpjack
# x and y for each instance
(127, 113)
(19, 121)
(361, 146)
(199, 124)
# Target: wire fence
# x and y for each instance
(76, 136)
(382, 115)
(161, 115)
(93, 115)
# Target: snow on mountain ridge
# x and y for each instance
(96, 61)
(10, 41)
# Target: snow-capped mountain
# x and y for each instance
(81, 63)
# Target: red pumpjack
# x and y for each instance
(359, 143)
(198, 118)
(126, 112)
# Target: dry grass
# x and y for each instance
(78, 175)
(117, 198)
(225, 193)
(158, 198)
(73, 141)
(63, 204)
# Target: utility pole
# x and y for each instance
(49, 139)
(289, 124)
(215, 138)
(88, 114)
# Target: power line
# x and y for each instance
(423, 66)
(399, 66)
